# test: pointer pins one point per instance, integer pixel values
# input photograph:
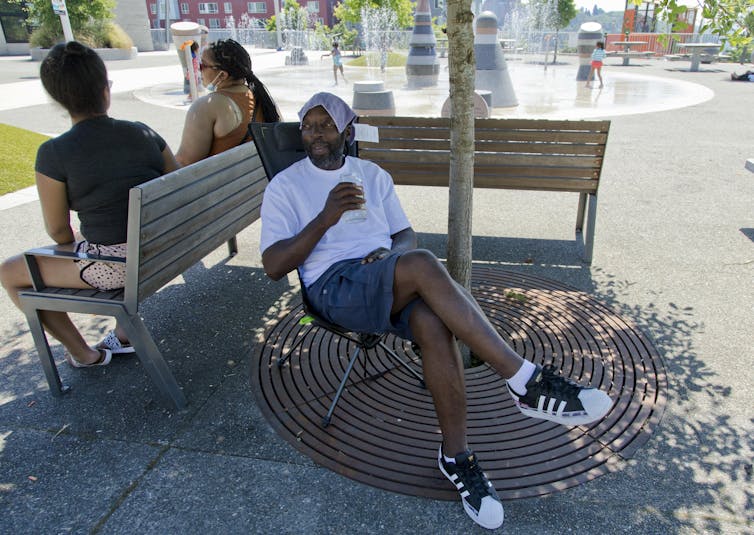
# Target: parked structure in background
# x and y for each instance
(131, 15)
(217, 15)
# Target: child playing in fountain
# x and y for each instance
(337, 62)
(598, 55)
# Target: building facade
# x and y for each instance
(236, 13)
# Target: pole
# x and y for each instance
(277, 24)
(167, 23)
(58, 7)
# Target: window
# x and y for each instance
(201, 21)
(184, 8)
(256, 7)
(206, 8)
(153, 9)
(312, 6)
(214, 23)
(228, 7)
(14, 27)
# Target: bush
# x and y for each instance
(103, 34)
(45, 37)
(95, 34)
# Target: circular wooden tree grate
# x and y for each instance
(384, 431)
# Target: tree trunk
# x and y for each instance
(462, 70)
(555, 47)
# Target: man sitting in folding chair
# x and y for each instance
(368, 276)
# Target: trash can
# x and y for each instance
(184, 31)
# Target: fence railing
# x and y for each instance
(531, 43)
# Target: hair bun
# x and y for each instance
(74, 48)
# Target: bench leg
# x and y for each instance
(57, 389)
(580, 212)
(232, 246)
(151, 358)
(588, 211)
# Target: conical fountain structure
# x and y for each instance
(422, 65)
(491, 68)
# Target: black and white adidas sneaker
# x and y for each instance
(552, 397)
(479, 498)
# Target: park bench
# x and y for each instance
(523, 154)
(173, 222)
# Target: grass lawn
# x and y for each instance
(17, 157)
(393, 60)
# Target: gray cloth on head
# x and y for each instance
(341, 113)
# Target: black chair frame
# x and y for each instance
(279, 145)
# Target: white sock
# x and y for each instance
(449, 459)
(517, 383)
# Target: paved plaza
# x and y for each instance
(674, 257)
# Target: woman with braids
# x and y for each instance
(219, 121)
(88, 169)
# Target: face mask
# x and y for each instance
(212, 86)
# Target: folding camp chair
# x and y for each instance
(279, 145)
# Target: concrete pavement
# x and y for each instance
(674, 254)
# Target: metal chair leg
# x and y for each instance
(403, 363)
(326, 420)
(293, 348)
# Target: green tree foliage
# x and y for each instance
(91, 22)
(80, 12)
(611, 22)
(350, 10)
(566, 12)
(295, 15)
(732, 20)
(544, 18)
(339, 32)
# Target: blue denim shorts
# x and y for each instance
(359, 297)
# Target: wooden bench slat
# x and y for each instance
(167, 263)
(398, 145)
(164, 185)
(491, 124)
(397, 138)
(156, 239)
(157, 221)
(202, 190)
(409, 159)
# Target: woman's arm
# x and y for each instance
(198, 132)
(57, 216)
(171, 164)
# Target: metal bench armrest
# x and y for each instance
(36, 276)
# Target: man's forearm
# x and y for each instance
(284, 256)
(405, 240)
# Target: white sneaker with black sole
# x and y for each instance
(479, 498)
(549, 396)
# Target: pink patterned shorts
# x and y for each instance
(102, 275)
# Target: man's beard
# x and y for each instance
(332, 160)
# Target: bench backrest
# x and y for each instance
(177, 219)
(527, 154)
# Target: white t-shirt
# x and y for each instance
(298, 194)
